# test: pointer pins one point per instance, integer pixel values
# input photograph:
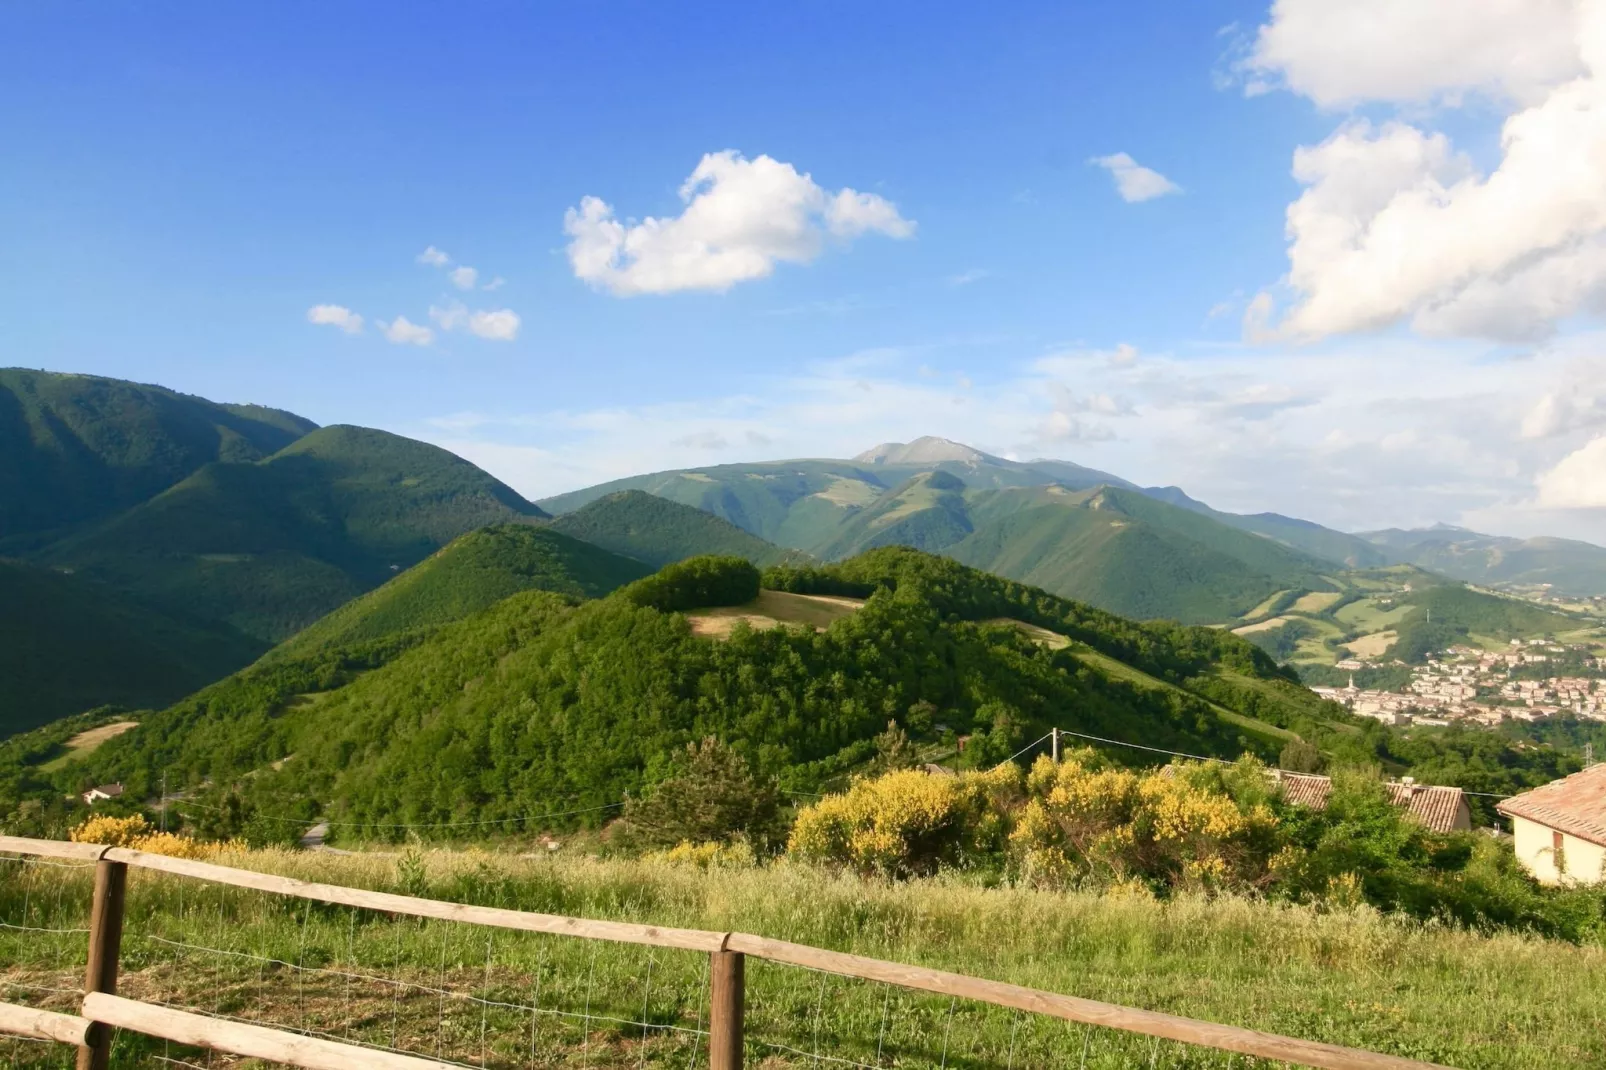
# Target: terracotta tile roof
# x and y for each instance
(1440, 809)
(1304, 789)
(1575, 805)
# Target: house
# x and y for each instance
(1439, 809)
(105, 791)
(1560, 829)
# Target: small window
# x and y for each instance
(1558, 851)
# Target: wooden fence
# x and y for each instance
(103, 1010)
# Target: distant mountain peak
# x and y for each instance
(925, 450)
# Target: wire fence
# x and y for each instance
(466, 994)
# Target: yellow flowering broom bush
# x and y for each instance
(1082, 819)
(136, 833)
(909, 822)
(1178, 826)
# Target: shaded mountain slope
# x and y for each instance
(470, 574)
(68, 644)
(659, 532)
(79, 448)
(270, 547)
(1570, 567)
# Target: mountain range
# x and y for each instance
(234, 527)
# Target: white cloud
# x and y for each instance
(463, 277)
(741, 218)
(403, 332)
(495, 284)
(433, 257)
(1133, 181)
(965, 278)
(499, 325)
(1415, 51)
(1578, 481)
(335, 316)
(1395, 225)
(1412, 433)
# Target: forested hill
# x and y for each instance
(68, 644)
(660, 532)
(79, 448)
(271, 546)
(472, 573)
(543, 704)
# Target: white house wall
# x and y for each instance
(1586, 862)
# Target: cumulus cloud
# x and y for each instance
(1394, 224)
(335, 316)
(463, 277)
(498, 325)
(1579, 480)
(741, 218)
(1133, 181)
(1414, 51)
(404, 332)
(433, 257)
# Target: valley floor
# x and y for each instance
(509, 999)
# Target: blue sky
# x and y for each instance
(185, 182)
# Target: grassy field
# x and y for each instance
(1264, 607)
(1374, 645)
(85, 742)
(501, 999)
(1368, 616)
(1261, 626)
(1315, 601)
(773, 608)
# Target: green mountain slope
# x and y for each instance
(1568, 566)
(79, 448)
(541, 704)
(472, 573)
(927, 512)
(272, 546)
(1152, 553)
(68, 645)
(659, 532)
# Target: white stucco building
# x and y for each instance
(1560, 829)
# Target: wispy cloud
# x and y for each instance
(335, 316)
(1133, 181)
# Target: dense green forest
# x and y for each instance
(543, 704)
(271, 546)
(68, 644)
(472, 573)
(79, 448)
(660, 532)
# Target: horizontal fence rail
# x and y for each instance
(103, 1009)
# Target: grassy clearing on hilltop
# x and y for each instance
(772, 609)
(1345, 976)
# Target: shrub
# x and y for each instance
(909, 822)
(712, 797)
(1180, 827)
(696, 583)
(135, 833)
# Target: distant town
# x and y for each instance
(1472, 686)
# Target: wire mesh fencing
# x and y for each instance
(487, 993)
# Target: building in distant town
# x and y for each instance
(1560, 829)
(104, 791)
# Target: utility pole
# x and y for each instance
(164, 800)
(1056, 745)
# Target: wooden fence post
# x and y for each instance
(105, 946)
(727, 1004)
